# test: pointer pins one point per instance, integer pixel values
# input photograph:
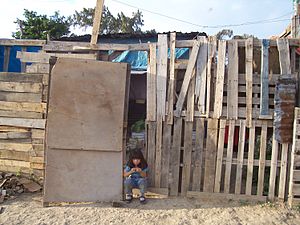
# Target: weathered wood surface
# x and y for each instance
(262, 159)
(264, 96)
(166, 149)
(20, 87)
(229, 156)
(158, 152)
(249, 80)
(240, 157)
(171, 88)
(33, 57)
(19, 42)
(220, 79)
(271, 194)
(97, 21)
(27, 123)
(250, 160)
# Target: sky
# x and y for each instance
(208, 16)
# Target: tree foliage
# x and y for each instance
(36, 26)
(224, 34)
(110, 24)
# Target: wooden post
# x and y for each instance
(264, 93)
(97, 21)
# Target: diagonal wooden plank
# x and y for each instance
(201, 69)
(233, 73)
(171, 89)
(220, 79)
(187, 77)
(249, 80)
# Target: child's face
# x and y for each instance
(136, 162)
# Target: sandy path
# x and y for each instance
(27, 210)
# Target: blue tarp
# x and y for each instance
(14, 63)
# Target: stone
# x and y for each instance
(32, 187)
(8, 175)
(24, 180)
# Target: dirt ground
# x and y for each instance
(27, 209)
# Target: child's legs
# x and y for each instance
(128, 185)
(142, 185)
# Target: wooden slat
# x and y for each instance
(211, 54)
(219, 164)
(296, 176)
(220, 79)
(187, 157)
(97, 21)
(171, 89)
(264, 97)
(201, 67)
(14, 155)
(21, 77)
(5, 162)
(166, 149)
(33, 57)
(21, 147)
(272, 180)
(15, 135)
(191, 100)
(250, 159)
(284, 56)
(161, 82)
(198, 157)
(283, 171)
(240, 157)
(262, 159)
(21, 114)
(38, 68)
(249, 72)
(6, 58)
(158, 152)
(23, 106)
(20, 97)
(20, 87)
(187, 77)
(175, 156)
(151, 84)
(229, 156)
(18, 42)
(28, 123)
(232, 87)
(92, 56)
(210, 155)
(225, 197)
(151, 133)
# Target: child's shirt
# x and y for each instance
(135, 175)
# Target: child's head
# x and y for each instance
(136, 159)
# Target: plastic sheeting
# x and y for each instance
(14, 63)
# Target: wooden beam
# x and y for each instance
(264, 96)
(249, 80)
(284, 56)
(16, 42)
(97, 21)
(240, 157)
(187, 78)
(171, 89)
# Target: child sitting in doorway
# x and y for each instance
(135, 174)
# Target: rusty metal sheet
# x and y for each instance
(285, 97)
(84, 132)
(86, 105)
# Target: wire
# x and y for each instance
(273, 20)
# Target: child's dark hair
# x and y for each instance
(137, 154)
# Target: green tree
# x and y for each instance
(109, 23)
(36, 26)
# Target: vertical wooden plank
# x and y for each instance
(283, 171)
(6, 58)
(201, 75)
(264, 86)
(199, 150)
(158, 152)
(284, 56)
(171, 89)
(151, 132)
(272, 180)
(220, 156)
(23, 64)
(151, 84)
(233, 72)
(166, 149)
(187, 157)
(211, 54)
(229, 156)
(191, 100)
(220, 79)
(162, 70)
(187, 77)
(175, 157)
(97, 21)
(262, 158)
(250, 159)
(240, 157)
(210, 155)
(249, 82)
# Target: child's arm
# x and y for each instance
(143, 172)
(128, 171)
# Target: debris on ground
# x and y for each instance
(12, 185)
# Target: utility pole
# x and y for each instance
(97, 21)
(295, 19)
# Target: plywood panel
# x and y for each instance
(90, 114)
